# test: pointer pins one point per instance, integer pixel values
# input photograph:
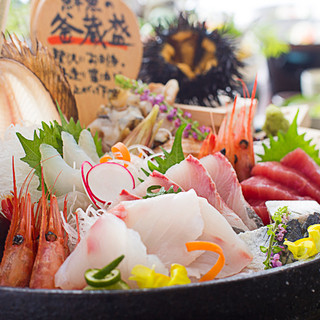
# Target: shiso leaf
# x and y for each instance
(288, 142)
(51, 134)
(175, 156)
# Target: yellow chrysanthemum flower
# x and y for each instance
(148, 278)
(302, 248)
(314, 233)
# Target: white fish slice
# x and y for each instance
(217, 230)
(191, 174)
(73, 154)
(229, 188)
(87, 144)
(107, 239)
(57, 174)
(165, 223)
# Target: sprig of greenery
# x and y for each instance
(169, 159)
(280, 218)
(174, 113)
(162, 191)
(51, 134)
(288, 142)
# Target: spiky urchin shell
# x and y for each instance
(204, 89)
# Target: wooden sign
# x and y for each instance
(93, 40)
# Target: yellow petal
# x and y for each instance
(148, 278)
(179, 275)
(302, 248)
(314, 233)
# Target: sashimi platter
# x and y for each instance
(145, 213)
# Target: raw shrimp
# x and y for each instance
(52, 247)
(19, 253)
(235, 139)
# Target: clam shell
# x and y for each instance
(44, 66)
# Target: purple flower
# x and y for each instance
(186, 133)
(177, 123)
(280, 232)
(158, 99)
(275, 261)
(187, 114)
(172, 114)
(145, 95)
(194, 134)
(163, 108)
(188, 127)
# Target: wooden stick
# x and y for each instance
(4, 8)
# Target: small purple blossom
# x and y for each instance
(195, 136)
(275, 261)
(280, 232)
(159, 98)
(145, 95)
(187, 115)
(186, 133)
(172, 114)
(163, 108)
(189, 126)
(177, 123)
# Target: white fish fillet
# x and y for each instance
(229, 188)
(87, 144)
(107, 239)
(217, 230)
(57, 174)
(191, 174)
(73, 154)
(165, 223)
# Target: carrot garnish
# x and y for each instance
(121, 152)
(105, 158)
(208, 246)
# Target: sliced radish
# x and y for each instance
(104, 181)
(85, 168)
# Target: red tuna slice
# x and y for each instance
(229, 188)
(191, 174)
(287, 176)
(301, 161)
(155, 179)
(261, 210)
(259, 187)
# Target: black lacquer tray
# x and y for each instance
(289, 292)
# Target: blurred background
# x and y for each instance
(279, 41)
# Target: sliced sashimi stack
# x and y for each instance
(295, 177)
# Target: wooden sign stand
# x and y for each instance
(93, 41)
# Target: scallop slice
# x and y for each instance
(86, 142)
(23, 98)
(57, 174)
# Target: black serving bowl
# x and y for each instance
(289, 292)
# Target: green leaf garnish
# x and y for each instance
(175, 156)
(288, 142)
(162, 191)
(51, 134)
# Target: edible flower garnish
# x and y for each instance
(306, 247)
(175, 115)
(208, 246)
(107, 278)
(148, 278)
(276, 231)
